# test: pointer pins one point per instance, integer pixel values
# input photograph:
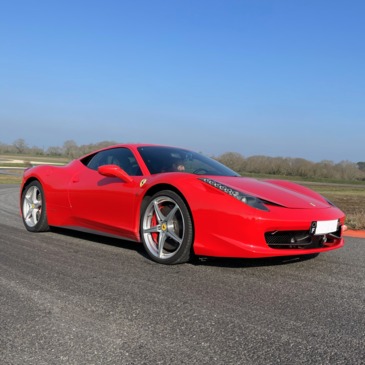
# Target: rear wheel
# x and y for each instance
(167, 229)
(34, 208)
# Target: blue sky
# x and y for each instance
(257, 77)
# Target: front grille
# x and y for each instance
(299, 239)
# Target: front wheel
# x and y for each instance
(167, 228)
(34, 208)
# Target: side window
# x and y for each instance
(98, 159)
(121, 157)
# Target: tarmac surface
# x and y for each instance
(72, 298)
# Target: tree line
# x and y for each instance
(284, 166)
(70, 149)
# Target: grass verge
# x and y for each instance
(10, 179)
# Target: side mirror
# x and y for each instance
(114, 171)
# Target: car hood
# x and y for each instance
(296, 197)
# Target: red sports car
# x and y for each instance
(179, 203)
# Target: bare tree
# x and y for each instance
(54, 151)
(233, 160)
(70, 149)
(20, 145)
(361, 166)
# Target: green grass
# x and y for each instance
(14, 165)
(15, 169)
(10, 179)
(349, 198)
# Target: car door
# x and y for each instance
(105, 204)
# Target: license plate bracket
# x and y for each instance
(324, 227)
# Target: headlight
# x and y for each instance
(244, 198)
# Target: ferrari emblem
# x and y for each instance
(143, 181)
(163, 226)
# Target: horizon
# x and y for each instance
(278, 79)
(95, 147)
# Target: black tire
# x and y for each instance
(34, 208)
(167, 228)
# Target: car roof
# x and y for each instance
(132, 146)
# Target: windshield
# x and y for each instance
(160, 159)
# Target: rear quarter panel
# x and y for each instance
(55, 181)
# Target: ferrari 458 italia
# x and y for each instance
(179, 203)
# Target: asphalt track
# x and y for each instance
(70, 298)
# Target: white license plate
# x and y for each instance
(324, 227)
